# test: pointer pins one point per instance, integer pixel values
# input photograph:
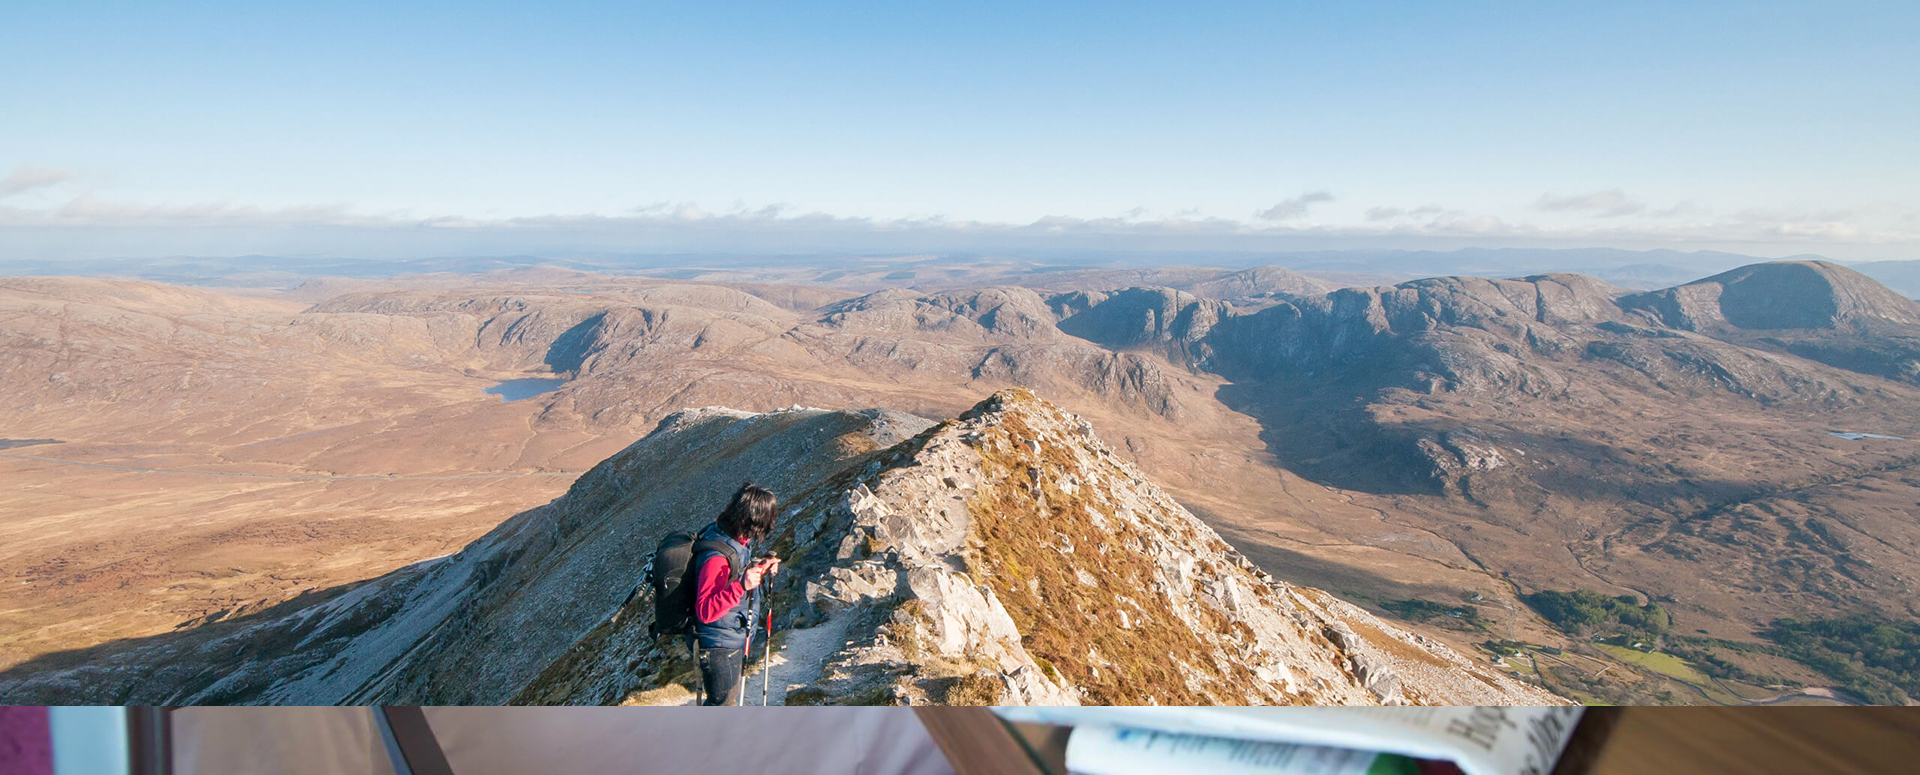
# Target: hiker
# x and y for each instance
(726, 599)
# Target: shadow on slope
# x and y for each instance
(159, 670)
(473, 627)
(569, 351)
(1322, 431)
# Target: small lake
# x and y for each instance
(1859, 436)
(516, 389)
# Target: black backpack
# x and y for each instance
(673, 586)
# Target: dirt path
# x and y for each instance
(798, 662)
(1814, 693)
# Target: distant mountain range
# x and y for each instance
(1902, 276)
(1635, 269)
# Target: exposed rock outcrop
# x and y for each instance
(1010, 557)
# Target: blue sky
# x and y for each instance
(244, 127)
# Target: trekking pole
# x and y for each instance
(699, 675)
(766, 660)
(746, 653)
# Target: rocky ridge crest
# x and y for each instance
(1008, 556)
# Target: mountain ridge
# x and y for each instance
(874, 556)
(1440, 440)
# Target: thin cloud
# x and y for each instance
(1377, 214)
(1832, 224)
(1679, 210)
(89, 210)
(1612, 203)
(1295, 207)
(686, 225)
(28, 177)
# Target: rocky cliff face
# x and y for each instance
(1006, 556)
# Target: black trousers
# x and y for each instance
(720, 674)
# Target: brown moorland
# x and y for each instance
(1449, 439)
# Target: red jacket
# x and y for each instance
(714, 592)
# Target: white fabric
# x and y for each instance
(283, 741)
(686, 741)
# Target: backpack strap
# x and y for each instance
(736, 565)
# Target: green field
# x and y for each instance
(1675, 668)
(1664, 664)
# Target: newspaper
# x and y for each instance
(1480, 740)
(1099, 750)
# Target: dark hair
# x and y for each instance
(749, 516)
